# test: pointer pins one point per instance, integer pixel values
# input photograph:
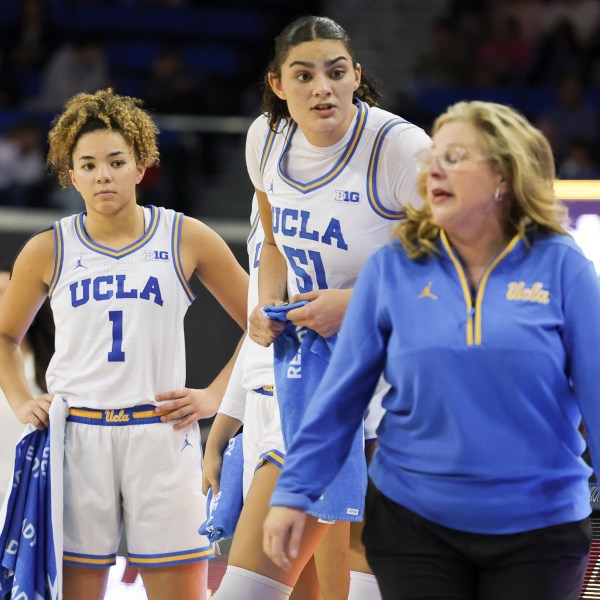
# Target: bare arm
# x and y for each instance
(272, 280)
(222, 430)
(191, 404)
(205, 254)
(227, 423)
(23, 297)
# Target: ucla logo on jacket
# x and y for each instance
(518, 290)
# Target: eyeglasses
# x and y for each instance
(450, 159)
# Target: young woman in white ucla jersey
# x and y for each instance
(118, 276)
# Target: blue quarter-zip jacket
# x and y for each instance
(487, 391)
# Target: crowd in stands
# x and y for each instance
(540, 56)
(188, 57)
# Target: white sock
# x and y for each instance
(363, 586)
(240, 584)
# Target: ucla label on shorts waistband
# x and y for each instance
(116, 416)
(518, 290)
(143, 414)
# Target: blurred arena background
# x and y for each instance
(198, 66)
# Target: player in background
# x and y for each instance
(251, 400)
(332, 174)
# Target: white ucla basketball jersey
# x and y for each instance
(258, 360)
(332, 207)
(118, 314)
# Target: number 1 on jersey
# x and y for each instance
(116, 354)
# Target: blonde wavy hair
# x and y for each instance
(520, 153)
(84, 113)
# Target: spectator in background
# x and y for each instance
(178, 81)
(10, 93)
(445, 62)
(528, 14)
(32, 39)
(469, 15)
(583, 15)
(579, 161)
(76, 66)
(572, 117)
(173, 86)
(25, 46)
(503, 57)
(23, 179)
(591, 60)
(557, 53)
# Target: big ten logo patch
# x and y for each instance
(347, 196)
(156, 255)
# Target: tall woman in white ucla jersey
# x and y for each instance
(118, 280)
(332, 173)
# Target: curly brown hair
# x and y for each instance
(306, 29)
(84, 113)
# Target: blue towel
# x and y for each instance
(28, 559)
(223, 509)
(301, 357)
(279, 313)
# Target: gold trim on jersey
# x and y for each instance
(58, 256)
(253, 227)
(359, 127)
(268, 146)
(87, 241)
(372, 174)
(176, 255)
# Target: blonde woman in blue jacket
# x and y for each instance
(483, 316)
